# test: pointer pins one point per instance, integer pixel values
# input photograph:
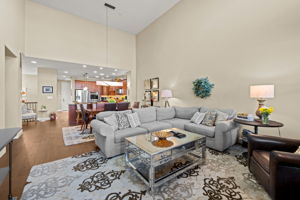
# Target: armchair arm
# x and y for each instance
(270, 143)
(284, 175)
(284, 159)
(102, 128)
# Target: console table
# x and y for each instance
(6, 138)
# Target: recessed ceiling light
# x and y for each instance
(64, 76)
(97, 76)
(87, 77)
(33, 62)
(116, 70)
(101, 68)
(101, 74)
(107, 76)
(113, 73)
(66, 72)
(95, 72)
(84, 66)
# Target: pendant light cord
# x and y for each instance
(106, 8)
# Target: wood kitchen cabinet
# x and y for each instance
(102, 90)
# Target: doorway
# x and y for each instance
(66, 94)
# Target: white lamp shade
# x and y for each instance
(166, 94)
(262, 91)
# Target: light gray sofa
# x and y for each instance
(112, 143)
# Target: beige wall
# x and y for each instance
(12, 14)
(30, 83)
(235, 44)
(53, 34)
(47, 77)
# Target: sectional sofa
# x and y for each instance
(112, 142)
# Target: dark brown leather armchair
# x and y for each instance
(275, 165)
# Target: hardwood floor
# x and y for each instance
(40, 143)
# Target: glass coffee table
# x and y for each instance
(156, 165)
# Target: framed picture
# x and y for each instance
(147, 84)
(47, 89)
(155, 83)
(155, 95)
(147, 96)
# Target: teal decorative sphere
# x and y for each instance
(202, 87)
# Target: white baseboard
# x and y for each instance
(43, 119)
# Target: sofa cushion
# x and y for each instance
(221, 116)
(177, 123)
(198, 118)
(156, 126)
(146, 114)
(263, 158)
(101, 115)
(209, 119)
(112, 121)
(28, 115)
(230, 112)
(122, 120)
(201, 129)
(120, 135)
(165, 113)
(185, 112)
(133, 119)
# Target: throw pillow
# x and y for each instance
(122, 121)
(209, 119)
(221, 116)
(112, 121)
(298, 150)
(198, 118)
(134, 120)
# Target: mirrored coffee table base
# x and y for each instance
(155, 166)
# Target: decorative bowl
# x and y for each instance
(162, 139)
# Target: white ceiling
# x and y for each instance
(74, 70)
(130, 15)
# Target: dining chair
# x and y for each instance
(110, 107)
(86, 119)
(136, 104)
(122, 106)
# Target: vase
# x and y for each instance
(265, 119)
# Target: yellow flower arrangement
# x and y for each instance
(266, 110)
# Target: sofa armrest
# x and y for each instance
(270, 143)
(226, 134)
(102, 128)
(224, 126)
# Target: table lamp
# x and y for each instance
(261, 93)
(166, 94)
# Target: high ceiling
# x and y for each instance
(66, 71)
(130, 15)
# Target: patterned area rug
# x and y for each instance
(91, 176)
(72, 135)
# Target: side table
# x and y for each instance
(257, 123)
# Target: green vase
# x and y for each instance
(265, 119)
